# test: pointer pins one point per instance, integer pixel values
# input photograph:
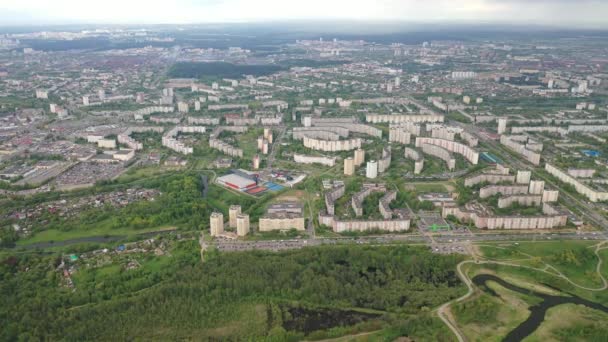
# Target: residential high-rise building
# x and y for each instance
(502, 125)
(233, 211)
(536, 187)
(349, 166)
(523, 177)
(42, 94)
(256, 162)
(242, 224)
(372, 169)
(168, 92)
(183, 107)
(268, 134)
(307, 121)
(216, 224)
(359, 157)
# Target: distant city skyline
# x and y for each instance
(557, 13)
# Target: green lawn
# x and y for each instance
(430, 187)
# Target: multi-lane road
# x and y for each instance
(278, 245)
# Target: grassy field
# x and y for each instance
(248, 142)
(604, 255)
(575, 259)
(429, 187)
(571, 322)
(99, 230)
(486, 318)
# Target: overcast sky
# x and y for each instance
(562, 13)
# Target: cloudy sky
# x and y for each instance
(562, 13)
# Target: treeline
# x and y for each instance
(311, 63)
(185, 298)
(219, 69)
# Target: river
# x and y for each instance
(538, 311)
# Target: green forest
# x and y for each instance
(314, 293)
(219, 70)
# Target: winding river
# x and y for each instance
(538, 311)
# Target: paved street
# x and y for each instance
(278, 245)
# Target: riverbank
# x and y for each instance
(523, 279)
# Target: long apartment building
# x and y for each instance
(304, 159)
(517, 144)
(169, 139)
(399, 135)
(455, 147)
(281, 222)
(594, 195)
(441, 153)
(352, 127)
(400, 223)
(416, 156)
(491, 178)
(385, 162)
(483, 218)
(225, 148)
(331, 197)
(203, 121)
(506, 190)
(125, 137)
(332, 146)
(316, 134)
(358, 198)
(397, 118)
(384, 205)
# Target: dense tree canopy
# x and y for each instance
(186, 298)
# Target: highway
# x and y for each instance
(279, 245)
